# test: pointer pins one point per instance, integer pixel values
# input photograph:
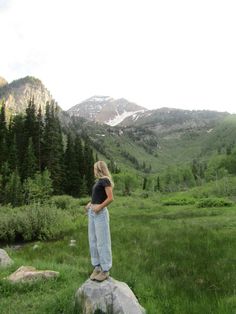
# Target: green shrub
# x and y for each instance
(219, 188)
(34, 223)
(73, 205)
(178, 201)
(214, 202)
(39, 189)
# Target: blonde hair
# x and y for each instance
(101, 171)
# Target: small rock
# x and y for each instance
(109, 296)
(5, 260)
(72, 243)
(36, 246)
(28, 273)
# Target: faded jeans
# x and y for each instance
(100, 238)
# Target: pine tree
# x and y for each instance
(31, 125)
(16, 134)
(72, 176)
(79, 166)
(5, 176)
(14, 191)
(39, 139)
(144, 183)
(89, 165)
(83, 187)
(157, 187)
(3, 134)
(53, 152)
(30, 162)
(79, 155)
(12, 153)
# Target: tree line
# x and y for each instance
(33, 148)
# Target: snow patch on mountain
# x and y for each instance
(120, 117)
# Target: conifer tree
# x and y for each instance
(72, 175)
(30, 125)
(79, 166)
(14, 191)
(53, 152)
(144, 183)
(83, 187)
(12, 153)
(3, 134)
(39, 139)
(30, 162)
(16, 130)
(79, 155)
(157, 187)
(89, 169)
(5, 176)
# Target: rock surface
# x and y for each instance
(110, 296)
(28, 273)
(5, 260)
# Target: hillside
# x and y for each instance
(17, 94)
(145, 141)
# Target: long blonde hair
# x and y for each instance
(101, 171)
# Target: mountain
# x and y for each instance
(104, 109)
(170, 120)
(17, 94)
(130, 135)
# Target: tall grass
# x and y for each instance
(176, 259)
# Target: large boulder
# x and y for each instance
(110, 296)
(5, 260)
(28, 273)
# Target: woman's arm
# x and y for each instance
(108, 200)
(87, 207)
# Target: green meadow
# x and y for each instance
(176, 258)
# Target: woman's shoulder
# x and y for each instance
(105, 181)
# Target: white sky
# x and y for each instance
(180, 53)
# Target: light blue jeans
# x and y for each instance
(100, 238)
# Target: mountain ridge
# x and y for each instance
(105, 109)
(17, 94)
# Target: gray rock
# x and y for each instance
(5, 260)
(110, 296)
(28, 273)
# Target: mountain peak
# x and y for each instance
(99, 98)
(105, 109)
(18, 93)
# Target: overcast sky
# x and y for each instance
(180, 54)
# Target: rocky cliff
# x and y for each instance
(16, 94)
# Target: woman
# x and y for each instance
(98, 222)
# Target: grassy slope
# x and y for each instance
(175, 149)
(177, 259)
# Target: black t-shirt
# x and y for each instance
(98, 192)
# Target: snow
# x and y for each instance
(120, 117)
(209, 131)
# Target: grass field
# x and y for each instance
(176, 259)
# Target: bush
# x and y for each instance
(178, 201)
(214, 202)
(126, 183)
(220, 188)
(34, 223)
(69, 203)
(39, 189)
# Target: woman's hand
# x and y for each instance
(96, 208)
